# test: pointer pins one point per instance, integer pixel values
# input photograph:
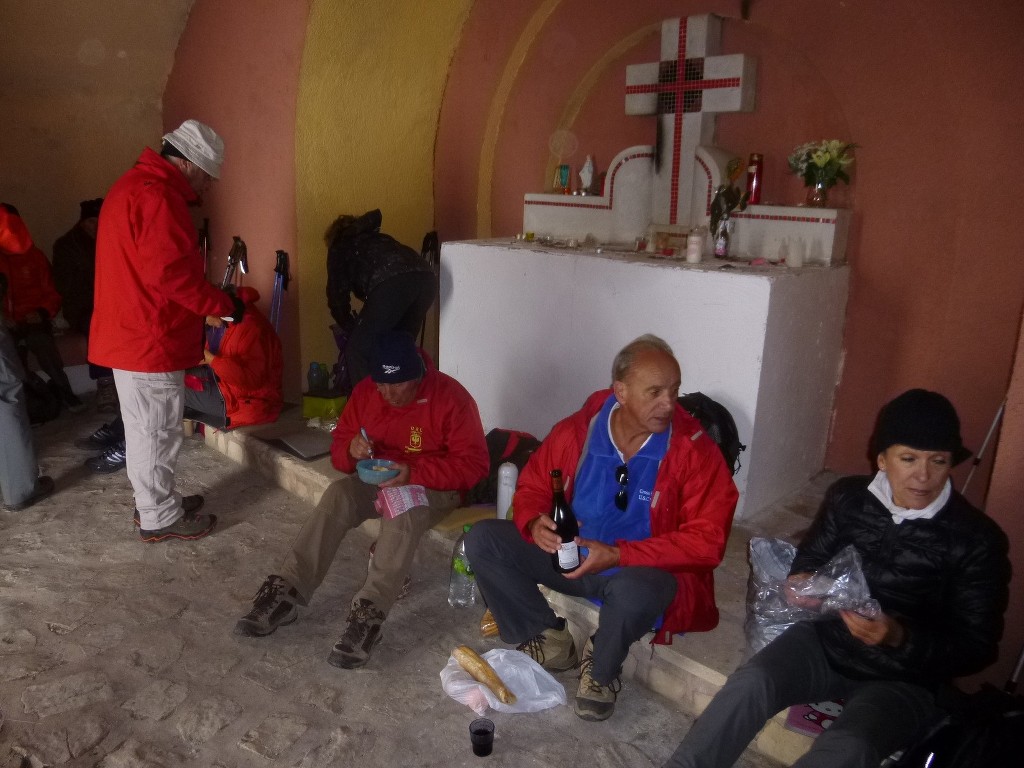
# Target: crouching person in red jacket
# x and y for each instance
(654, 501)
(239, 383)
(147, 325)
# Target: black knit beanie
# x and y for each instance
(923, 420)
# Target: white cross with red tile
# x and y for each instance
(685, 90)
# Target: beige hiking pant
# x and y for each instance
(152, 406)
(346, 504)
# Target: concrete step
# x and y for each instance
(689, 671)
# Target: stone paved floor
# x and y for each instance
(119, 654)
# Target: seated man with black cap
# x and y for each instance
(937, 566)
(430, 426)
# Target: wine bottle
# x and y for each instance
(567, 559)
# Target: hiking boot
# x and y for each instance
(189, 504)
(187, 527)
(594, 701)
(111, 460)
(361, 634)
(44, 487)
(273, 606)
(100, 440)
(106, 395)
(554, 649)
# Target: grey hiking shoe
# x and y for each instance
(361, 634)
(594, 701)
(189, 504)
(188, 527)
(272, 607)
(554, 649)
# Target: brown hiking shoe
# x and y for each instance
(361, 634)
(594, 701)
(554, 649)
(272, 607)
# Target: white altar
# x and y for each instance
(531, 331)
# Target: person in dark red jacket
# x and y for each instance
(426, 422)
(655, 503)
(240, 382)
(939, 570)
(31, 302)
(21, 485)
(151, 299)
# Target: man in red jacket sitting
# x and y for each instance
(426, 422)
(151, 298)
(654, 501)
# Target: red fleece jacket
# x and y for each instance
(692, 506)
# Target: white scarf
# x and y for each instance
(880, 487)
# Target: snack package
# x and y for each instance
(839, 585)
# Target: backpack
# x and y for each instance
(718, 423)
(502, 445)
(983, 730)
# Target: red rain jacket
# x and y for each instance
(249, 366)
(29, 277)
(151, 292)
(691, 509)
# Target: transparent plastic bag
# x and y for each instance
(839, 585)
(534, 687)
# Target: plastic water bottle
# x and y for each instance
(508, 474)
(462, 585)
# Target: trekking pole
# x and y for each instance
(981, 451)
(238, 256)
(281, 278)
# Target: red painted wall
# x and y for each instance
(249, 98)
(926, 87)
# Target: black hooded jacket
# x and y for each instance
(360, 258)
(945, 579)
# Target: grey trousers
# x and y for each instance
(18, 467)
(346, 504)
(878, 717)
(151, 407)
(508, 569)
(206, 405)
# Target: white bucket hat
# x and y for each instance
(200, 144)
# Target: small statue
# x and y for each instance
(727, 198)
(587, 176)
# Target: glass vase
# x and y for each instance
(817, 195)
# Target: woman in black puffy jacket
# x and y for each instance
(937, 566)
(394, 282)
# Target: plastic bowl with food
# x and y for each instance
(376, 471)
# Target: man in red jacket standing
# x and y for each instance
(151, 299)
(426, 422)
(654, 501)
